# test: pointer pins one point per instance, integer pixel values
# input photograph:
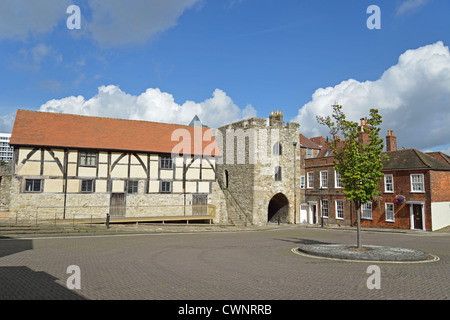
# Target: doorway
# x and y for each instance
(199, 204)
(312, 213)
(278, 210)
(417, 216)
(304, 213)
(117, 208)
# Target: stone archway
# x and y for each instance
(278, 210)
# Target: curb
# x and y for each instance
(368, 253)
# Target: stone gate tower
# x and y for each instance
(260, 170)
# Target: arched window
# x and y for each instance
(277, 149)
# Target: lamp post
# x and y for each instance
(321, 206)
(295, 182)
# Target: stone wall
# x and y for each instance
(250, 162)
(49, 206)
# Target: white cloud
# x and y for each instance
(152, 105)
(110, 23)
(7, 122)
(410, 5)
(412, 96)
(118, 22)
(21, 18)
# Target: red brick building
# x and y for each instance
(415, 190)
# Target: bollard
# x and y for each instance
(107, 221)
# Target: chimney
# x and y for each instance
(276, 118)
(363, 133)
(391, 141)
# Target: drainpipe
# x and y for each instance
(295, 182)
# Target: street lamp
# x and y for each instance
(295, 183)
(321, 205)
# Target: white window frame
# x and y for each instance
(302, 182)
(366, 211)
(310, 182)
(338, 180)
(309, 153)
(322, 180)
(413, 183)
(324, 208)
(339, 210)
(389, 184)
(391, 217)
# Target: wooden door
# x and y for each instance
(117, 208)
(417, 216)
(199, 204)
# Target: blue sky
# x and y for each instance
(230, 59)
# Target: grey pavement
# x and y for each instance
(174, 262)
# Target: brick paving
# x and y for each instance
(235, 265)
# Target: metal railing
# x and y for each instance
(98, 214)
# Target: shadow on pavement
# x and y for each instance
(302, 241)
(22, 283)
(10, 246)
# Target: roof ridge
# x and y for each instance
(429, 161)
(100, 117)
(418, 155)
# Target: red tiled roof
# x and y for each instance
(34, 128)
(308, 143)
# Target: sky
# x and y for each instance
(227, 60)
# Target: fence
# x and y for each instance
(98, 214)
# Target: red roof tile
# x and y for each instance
(34, 128)
(308, 143)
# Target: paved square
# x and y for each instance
(217, 265)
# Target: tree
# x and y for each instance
(358, 158)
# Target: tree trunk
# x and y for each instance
(358, 220)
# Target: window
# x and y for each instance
(389, 210)
(277, 149)
(309, 153)
(87, 186)
(88, 159)
(417, 184)
(226, 178)
(310, 180)
(324, 179)
(33, 185)
(166, 186)
(324, 208)
(132, 186)
(337, 180)
(388, 183)
(166, 162)
(339, 209)
(302, 182)
(328, 153)
(366, 210)
(277, 173)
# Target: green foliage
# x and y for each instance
(359, 164)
